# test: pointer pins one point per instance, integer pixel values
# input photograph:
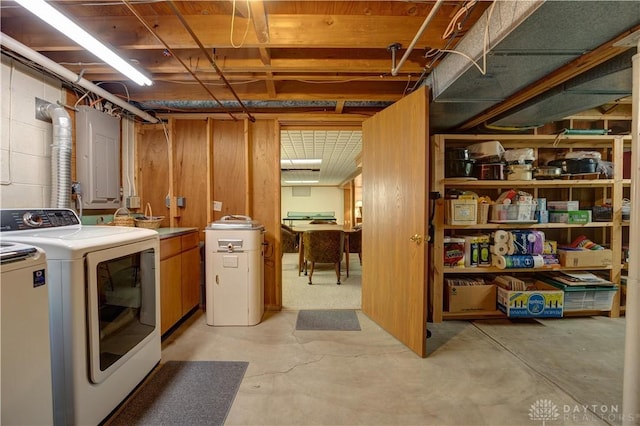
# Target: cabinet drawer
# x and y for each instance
(190, 240)
(170, 247)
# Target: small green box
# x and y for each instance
(569, 216)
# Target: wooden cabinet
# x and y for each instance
(190, 279)
(179, 278)
(589, 191)
(170, 292)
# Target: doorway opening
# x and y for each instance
(330, 187)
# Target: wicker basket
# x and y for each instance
(148, 221)
(483, 213)
(122, 217)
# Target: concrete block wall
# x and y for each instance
(25, 147)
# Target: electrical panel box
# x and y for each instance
(98, 158)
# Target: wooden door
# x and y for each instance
(395, 184)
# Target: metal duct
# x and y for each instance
(60, 155)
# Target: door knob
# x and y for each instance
(416, 238)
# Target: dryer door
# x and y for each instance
(122, 311)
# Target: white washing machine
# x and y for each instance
(234, 271)
(25, 356)
(104, 308)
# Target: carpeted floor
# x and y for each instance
(184, 393)
(324, 293)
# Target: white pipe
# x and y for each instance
(631, 381)
(68, 75)
(432, 13)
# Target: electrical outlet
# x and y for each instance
(132, 202)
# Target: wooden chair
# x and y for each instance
(353, 244)
(288, 239)
(323, 246)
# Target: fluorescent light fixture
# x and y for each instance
(301, 162)
(301, 181)
(57, 20)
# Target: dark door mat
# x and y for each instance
(330, 319)
(184, 393)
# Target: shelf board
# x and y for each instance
(493, 269)
(587, 313)
(472, 315)
(500, 314)
(531, 225)
(545, 183)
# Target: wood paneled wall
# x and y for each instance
(190, 173)
(264, 205)
(233, 162)
(152, 169)
(230, 167)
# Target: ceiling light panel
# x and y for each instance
(337, 149)
(69, 28)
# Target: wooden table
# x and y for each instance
(300, 229)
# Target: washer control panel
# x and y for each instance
(22, 219)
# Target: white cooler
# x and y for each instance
(234, 271)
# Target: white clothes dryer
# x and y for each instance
(104, 308)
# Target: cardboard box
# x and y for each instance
(563, 205)
(545, 302)
(585, 258)
(542, 216)
(461, 211)
(569, 216)
(466, 298)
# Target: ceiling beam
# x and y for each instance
(209, 76)
(286, 91)
(300, 31)
(342, 66)
(260, 22)
(265, 56)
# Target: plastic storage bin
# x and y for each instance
(521, 212)
(588, 299)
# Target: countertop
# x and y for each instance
(174, 232)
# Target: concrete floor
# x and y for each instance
(566, 371)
